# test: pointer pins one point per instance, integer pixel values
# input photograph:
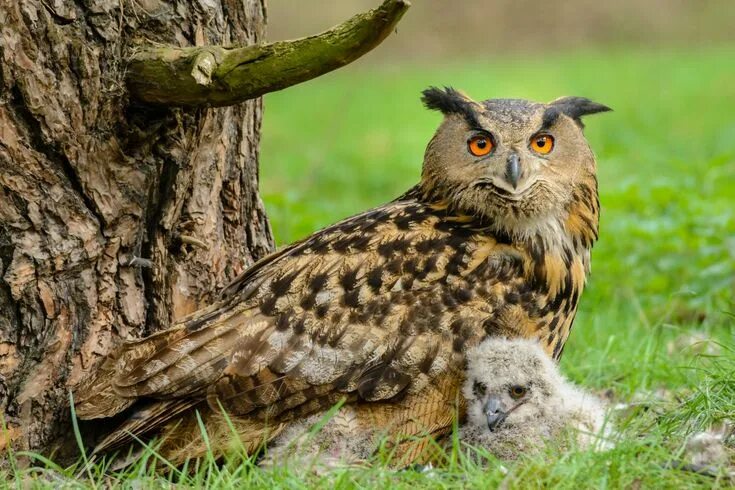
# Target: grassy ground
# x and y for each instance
(663, 271)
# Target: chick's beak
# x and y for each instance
(495, 412)
(513, 169)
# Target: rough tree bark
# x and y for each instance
(116, 217)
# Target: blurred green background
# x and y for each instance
(435, 30)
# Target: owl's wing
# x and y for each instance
(368, 308)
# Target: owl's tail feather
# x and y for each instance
(96, 397)
(142, 420)
(205, 431)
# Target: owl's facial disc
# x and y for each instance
(496, 402)
(482, 145)
(508, 175)
(522, 149)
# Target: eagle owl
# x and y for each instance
(379, 309)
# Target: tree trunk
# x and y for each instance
(115, 219)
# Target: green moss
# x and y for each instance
(217, 76)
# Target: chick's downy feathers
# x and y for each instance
(517, 401)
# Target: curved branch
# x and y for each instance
(218, 76)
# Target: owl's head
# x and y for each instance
(513, 161)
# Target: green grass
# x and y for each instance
(663, 268)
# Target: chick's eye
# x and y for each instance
(542, 143)
(517, 391)
(478, 389)
(480, 145)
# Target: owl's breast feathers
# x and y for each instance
(372, 309)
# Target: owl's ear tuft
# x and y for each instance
(576, 107)
(450, 101)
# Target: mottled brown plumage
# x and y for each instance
(380, 308)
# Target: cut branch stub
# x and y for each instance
(218, 76)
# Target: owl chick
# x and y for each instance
(517, 400)
(380, 308)
(323, 441)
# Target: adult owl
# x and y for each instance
(378, 310)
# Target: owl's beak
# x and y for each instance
(495, 412)
(513, 170)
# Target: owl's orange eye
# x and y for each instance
(480, 145)
(542, 143)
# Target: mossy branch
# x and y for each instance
(219, 76)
